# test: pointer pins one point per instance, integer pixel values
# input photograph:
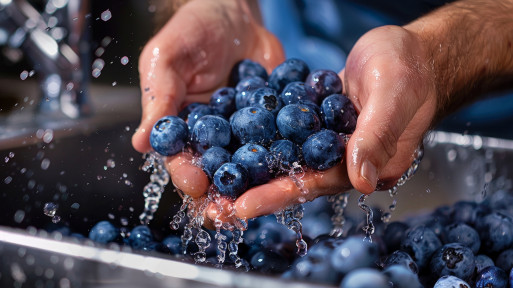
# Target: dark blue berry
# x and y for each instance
(463, 234)
(244, 89)
(338, 114)
(420, 242)
(290, 70)
(140, 237)
(314, 269)
(401, 258)
(495, 231)
(354, 253)
(284, 153)
(253, 125)
(449, 281)
(213, 158)
(297, 91)
(173, 243)
(365, 278)
(231, 179)
(505, 260)
(256, 159)
(184, 113)
(324, 83)
(223, 101)
(402, 277)
(169, 135)
(104, 232)
(453, 259)
(483, 261)
(210, 131)
(198, 112)
(266, 98)
(394, 233)
(268, 261)
(246, 68)
(492, 277)
(323, 150)
(464, 212)
(297, 121)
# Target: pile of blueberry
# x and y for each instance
(262, 126)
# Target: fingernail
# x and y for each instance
(369, 172)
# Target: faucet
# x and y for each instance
(55, 41)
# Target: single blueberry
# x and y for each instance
(210, 131)
(402, 277)
(244, 89)
(453, 259)
(169, 135)
(420, 242)
(140, 236)
(253, 125)
(231, 179)
(184, 113)
(256, 159)
(338, 114)
(290, 70)
(323, 150)
(365, 278)
(314, 269)
(284, 153)
(449, 281)
(464, 212)
(401, 258)
(104, 232)
(173, 243)
(463, 234)
(297, 91)
(246, 68)
(505, 260)
(393, 235)
(266, 98)
(483, 261)
(198, 112)
(324, 82)
(495, 231)
(267, 261)
(354, 253)
(213, 158)
(312, 106)
(297, 121)
(492, 277)
(223, 101)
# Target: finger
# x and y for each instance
(186, 176)
(221, 210)
(283, 192)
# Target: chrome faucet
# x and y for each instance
(55, 40)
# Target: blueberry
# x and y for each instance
(312, 106)
(420, 242)
(223, 101)
(365, 278)
(505, 260)
(483, 261)
(323, 150)
(449, 281)
(314, 269)
(492, 277)
(169, 135)
(463, 234)
(231, 179)
(140, 236)
(198, 112)
(297, 91)
(253, 125)
(324, 82)
(266, 98)
(394, 233)
(284, 153)
(297, 121)
(464, 211)
(402, 277)
(354, 253)
(268, 234)
(496, 232)
(184, 113)
(213, 158)
(210, 131)
(173, 243)
(401, 258)
(267, 261)
(290, 70)
(246, 68)
(244, 89)
(338, 114)
(104, 232)
(256, 159)
(453, 259)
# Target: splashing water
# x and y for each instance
(291, 218)
(180, 215)
(152, 193)
(369, 228)
(339, 204)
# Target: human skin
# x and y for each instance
(402, 80)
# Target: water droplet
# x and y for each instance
(19, 216)
(428, 190)
(451, 155)
(96, 73)
(111, 163)
(56, 219)
(123, 221)
(236, 41)
(48, 136)
(106, 15)
(339, 204)
(7, 179)
(45, 163)
(114, 83)
(124, 60)
(75, 206)
(24, 74)
(31, 73)
(369, 228)
(98, 64)
(50, 209)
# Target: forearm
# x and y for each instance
(469, 49)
